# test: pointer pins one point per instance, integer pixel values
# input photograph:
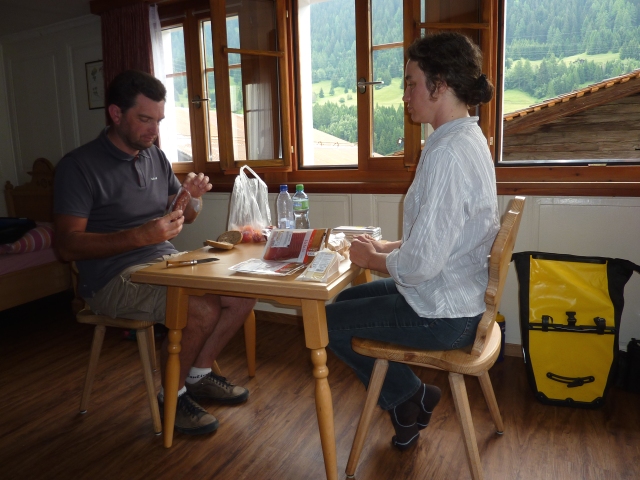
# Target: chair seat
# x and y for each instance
(457, 361)
(88, 317)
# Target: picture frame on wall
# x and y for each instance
(95, 84)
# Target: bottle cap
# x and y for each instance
(284, 188)
(299, 187)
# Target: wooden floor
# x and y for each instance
(274, 435)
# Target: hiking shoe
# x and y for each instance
(191, 418)
(218, 389)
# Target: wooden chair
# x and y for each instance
(475, 360)
(146, 346)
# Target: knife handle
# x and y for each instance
(180, 263)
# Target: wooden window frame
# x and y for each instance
(387, 175)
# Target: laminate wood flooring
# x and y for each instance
(274, 436)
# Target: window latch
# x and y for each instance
(362, 84)
(197, 101)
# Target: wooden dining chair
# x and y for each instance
(146, 346)
(474, 360)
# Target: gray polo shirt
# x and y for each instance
(114, 192)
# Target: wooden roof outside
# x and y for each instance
(572, 102)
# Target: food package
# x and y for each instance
(180, 201)
(339, 243)
(323, 268)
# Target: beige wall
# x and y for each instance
(44, 108)
(44, 113)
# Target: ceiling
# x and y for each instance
(19, 15)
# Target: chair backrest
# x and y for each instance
(499, 260)
(34, 199)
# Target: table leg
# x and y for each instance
(316, 338)
(363, 277)
(171, 378)
(324, 409)
(176, 320)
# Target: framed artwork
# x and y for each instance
(95, 84)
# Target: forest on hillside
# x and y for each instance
(540, 34)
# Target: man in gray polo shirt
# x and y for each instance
(110, 201)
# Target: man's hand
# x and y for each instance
(197, 185)
(160, 229)
(73, 242)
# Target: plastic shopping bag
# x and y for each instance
(249, 210)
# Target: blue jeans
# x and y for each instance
(377, 311)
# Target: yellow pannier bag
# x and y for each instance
(570, 311)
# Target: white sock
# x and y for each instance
(161, 394)
(195, 374)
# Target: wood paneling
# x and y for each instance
(274, 435)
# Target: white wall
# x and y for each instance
(44, 108)
(44, 113)
(594, 226)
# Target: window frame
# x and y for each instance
(221, 53)
(389, 175)
(189, 15)
(556, 180)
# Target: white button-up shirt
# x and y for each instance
(450, 221)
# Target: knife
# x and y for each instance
(182, 263)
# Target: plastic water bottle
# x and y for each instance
(284, 206)
(301, 207)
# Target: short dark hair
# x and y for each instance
(453, 59)
(126, 86)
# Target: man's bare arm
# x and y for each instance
(73, 242)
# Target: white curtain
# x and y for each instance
(162, 66)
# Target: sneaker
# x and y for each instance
(191, 418)
(218, 389)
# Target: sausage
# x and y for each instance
(182, 200)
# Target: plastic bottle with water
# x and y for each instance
(301, 207)
(284, 207)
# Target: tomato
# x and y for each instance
(247, 234)
(257, 236)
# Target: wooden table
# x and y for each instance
(216, 278)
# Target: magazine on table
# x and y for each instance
(286, 252)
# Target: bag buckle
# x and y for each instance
(546, 319)
(571, 319)
(601, 323)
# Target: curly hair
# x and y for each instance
(127, 85)
(453, 59)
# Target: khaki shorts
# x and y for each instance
(138, 301)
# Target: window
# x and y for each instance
(252, 99)
(175, 129)
(188, 133)
(345, 83)
(282, 93)
(570, 71)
